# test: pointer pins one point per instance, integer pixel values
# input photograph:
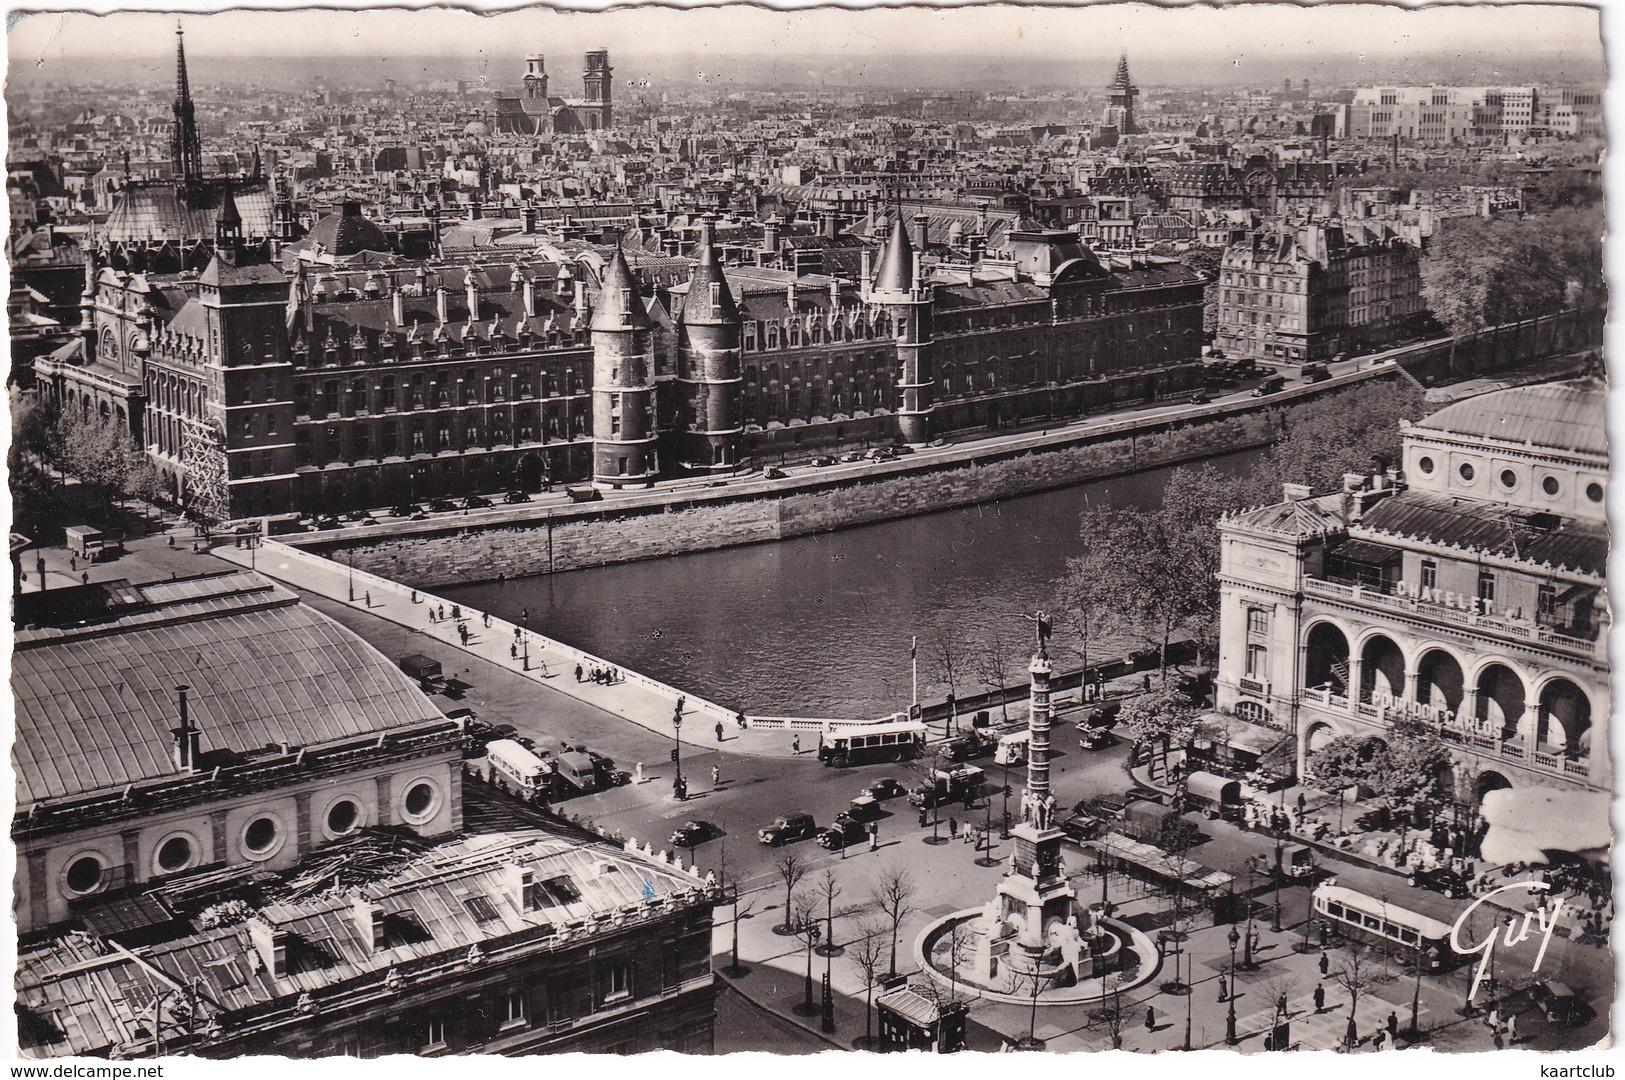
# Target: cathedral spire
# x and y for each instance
(186, 151)
(1122, 79)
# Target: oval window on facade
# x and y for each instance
(1594, 492)
(85, 874)
(342, 817)
(1550, 486)
(174, 854)
(1509, 479)
(1425, 464)
(421, 801)
(260, 836)
(1466, 473)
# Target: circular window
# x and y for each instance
(1550, 485)
(1594, 492)
(421, 801)
(1425, 464)
(174, 854)
(342, 817)
(85, 874)
(260, 835)
(1466, 473)
(1509, 479)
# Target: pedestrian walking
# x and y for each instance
(440, 611)
(742, 722)
(456, 611)
(1280, 1005)
(1325, 965)
(485, 619)
(719, 731)
(414, 596)
(524, 615)
(1500, 1044)
(1145, 683)
(716, 776)
(953, 828)
(84, 577)
(1224, 989)
(1150, 1018)
(578, 666)
(1320, 997)
(924, 817)
(795, 744)
(1393, 1024)
(874, 835)
(1512, 1029)
(368, 597)
(73, 562)
(513, 651)
(432, 619)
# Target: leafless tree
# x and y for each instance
(791, 870)
(866, 952)
(1356, 973)
(950, 669)
(741, 909)
(893, 893)
(995, 670)
(828, 887)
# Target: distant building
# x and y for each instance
(1466, 592)
(1443, 114)
(1296, 295)
(536, 112)
(1120, 98)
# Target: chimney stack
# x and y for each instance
(790, 296)
(828, 225)
(520, 880)
(369, 922)
(272, 945)
(922, 232)
(471, 293)
(397, 300)
(529, 292)
(528, 214)
(186, 736)
(440, 306)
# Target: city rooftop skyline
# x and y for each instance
(1253, 35)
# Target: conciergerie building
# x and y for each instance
(337, 373)
(1467, 591)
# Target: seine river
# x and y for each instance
(820, 625)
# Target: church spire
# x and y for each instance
(1122, 79)
(186, 151)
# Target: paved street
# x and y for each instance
(756, 786)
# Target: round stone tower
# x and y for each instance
(623, 436)
(708, 371)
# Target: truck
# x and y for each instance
(578, 770)
(973, 744)
(86, 542)
(425, 669)
(945, 786)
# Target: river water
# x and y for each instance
(820, 625)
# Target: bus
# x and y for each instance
(899, 740)
(520, 771)
(1367, 918)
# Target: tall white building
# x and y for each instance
(1468, 591)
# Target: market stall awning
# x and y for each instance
(1177, 868)
(1244, 735)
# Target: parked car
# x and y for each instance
(476, 502)
(325, 521)
(1091, 737)
(1081, 827)
(844, 833)
(1440, 879)
(899, 449)
(855, 455)
(864, 808)
(1561, 1005)
(355, 515)
(442, 505)
(1200, 398)
(1271, 385)
(516, 497)
(694, 833)
(822, 460)
(773, 474)
(886, 787)
(407, 510)
(796, 825)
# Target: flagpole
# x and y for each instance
(914, 663)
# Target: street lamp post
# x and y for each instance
(1004, 827)
(813, 934)
(677, 786)
(1230, 1016)
(1190, 993)
(1247, 962)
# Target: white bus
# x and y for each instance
(521, 771)
(867, 743)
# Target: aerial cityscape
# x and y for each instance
(957, 530)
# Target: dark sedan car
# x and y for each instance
(1441, 880)
(476, 502)
(694, 833)
(885, 788)
(442, 505)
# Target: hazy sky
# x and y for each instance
(1246, 32)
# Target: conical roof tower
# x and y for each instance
(619, 306)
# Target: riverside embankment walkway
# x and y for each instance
(632, 696)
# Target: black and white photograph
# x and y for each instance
(721, 530)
